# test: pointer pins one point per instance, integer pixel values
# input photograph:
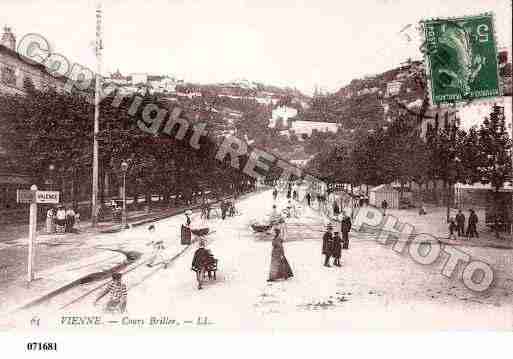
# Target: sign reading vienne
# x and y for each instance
(47, 197)
(461, 59)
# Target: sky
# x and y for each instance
(297, 43)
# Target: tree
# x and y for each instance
(470, 157)
(495, 145)
(445, 149)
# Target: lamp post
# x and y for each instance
(124, 168)
(51, 168)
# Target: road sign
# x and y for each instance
(25, 196)
(47, 197)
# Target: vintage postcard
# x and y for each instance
(205, 166)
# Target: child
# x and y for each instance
(118, 295)
(453, 228)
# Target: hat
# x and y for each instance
(188, 212)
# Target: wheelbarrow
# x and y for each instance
(200, 231)
(261, 228)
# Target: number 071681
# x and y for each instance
(38, 346)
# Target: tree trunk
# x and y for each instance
(167, 196)
(435, 191)
(497, 210)
(148, 199)
(74, 201)
(448, 200)
(101, 184)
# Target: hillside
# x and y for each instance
(364, 102)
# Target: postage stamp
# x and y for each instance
(461, 59)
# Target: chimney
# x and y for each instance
(8, 39)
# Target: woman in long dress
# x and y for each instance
(280, 268)
(50, 225)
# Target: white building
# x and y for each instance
(139, 78)
(283, 112)
(307, 127)
(164, 83)
(393, 88)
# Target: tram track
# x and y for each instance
(134, 275)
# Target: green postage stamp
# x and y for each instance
(461, 56)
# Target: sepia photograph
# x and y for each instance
(242, 166)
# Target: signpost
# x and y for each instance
(47, 197)
(33, 197)
(25, 196)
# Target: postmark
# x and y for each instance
(461, 59)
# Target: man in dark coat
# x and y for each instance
(337, 249)
(224, 209)
(472, 225)
(327, 245)
(345, 227)
(308, 199)
(336, 209)
(384, 206)
(460, 223)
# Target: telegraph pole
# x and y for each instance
(99, 45)
(511, 180)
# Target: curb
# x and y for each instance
(120, 267)
(66, 287)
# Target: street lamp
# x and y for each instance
(51, 168)
(124, 168)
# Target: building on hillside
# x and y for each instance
(307, 127)
(164, 84)
(393, 88)
(118, 79)
(139, 78)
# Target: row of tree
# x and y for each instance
(46, 130)
(445, 153)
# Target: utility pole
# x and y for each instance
(511, 180)
(99, 45)
(32, 236)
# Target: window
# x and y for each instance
(8, 76)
